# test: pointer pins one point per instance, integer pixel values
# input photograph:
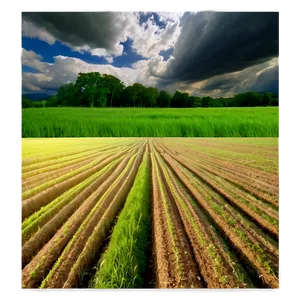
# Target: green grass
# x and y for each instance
(151, 122)
(125, 261)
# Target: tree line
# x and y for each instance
(101, 90)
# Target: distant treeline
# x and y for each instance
(97, 90)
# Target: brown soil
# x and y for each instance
(253, 186)
(68, 258)
(101, 230)
(43, 261)
(67, 176)
(212, 278)
(259, 238)
(27, 175)
(34, 203)
(236, 165)
(38, 163)
(47, 176)
(240, 148)
(166, 260)
(49, 229)
(31, 176)
(237, 243)
(217, 187)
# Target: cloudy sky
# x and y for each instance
(202, 53)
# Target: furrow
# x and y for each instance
(60, 214)
(173, 258)
(256, 259)
(34, 203)
(59, 273)
(218, 267)
(41, 264)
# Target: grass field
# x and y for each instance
(150, 212)
(142, 122)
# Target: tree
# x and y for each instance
(102, 96)
(89, 85)
(163, 99)
(26, 103)
(206, 101)
(176, 100)
(128, 96)
(66, 95)
(93, 89)
(195, 101)
(114, 88)
(186, 100)
(52, 101)
(267, 99)
(151, 97)
(141, 94)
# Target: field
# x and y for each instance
(150, 212)
(141, 122)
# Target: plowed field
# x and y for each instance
(150, 212)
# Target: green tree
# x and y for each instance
(163, 99)
(151, 95)
(66, 95)
(206, 101)
(195, 101)
(141, 94)
(186, 100)
(26, 103)
(267, 99)
(176, 99)
(89, 85)
(114, 88)
(102, 96)
(129, 96)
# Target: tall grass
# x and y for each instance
(125, 261)
(133, 122)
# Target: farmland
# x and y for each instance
(150, 212)
(150, 122)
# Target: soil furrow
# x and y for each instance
(236, 164)
(48, 230)
(34, 203)
(255, 187)
(226, 193)
(99, 234)
(217, 268)
(40, 179)
(62, 268)
(40, 265)
(174, 260)
(237, 242)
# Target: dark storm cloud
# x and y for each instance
(245, 80)
(215, 43)
(223, 83)
(267, 81)
(95, 29)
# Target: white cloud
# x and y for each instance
(147, 72)
(33, 60)
(109, 59)
(170, 16)
(106, 32)
(32, 31)
(65, 69)
(148, 39)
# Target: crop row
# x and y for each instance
(145, 212)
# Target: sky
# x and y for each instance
(203, 53)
